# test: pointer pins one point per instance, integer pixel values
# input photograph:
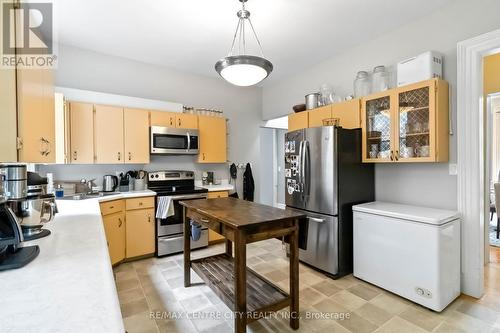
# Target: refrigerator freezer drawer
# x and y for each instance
(418, 261)
(322, 243)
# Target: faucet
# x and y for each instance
(89, 184)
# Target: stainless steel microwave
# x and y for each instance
(174, 141)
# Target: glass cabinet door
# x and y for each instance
(414, 131)
(378, 135)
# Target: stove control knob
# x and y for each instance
(156, 176)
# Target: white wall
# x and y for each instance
(82, 69)
(428, 184)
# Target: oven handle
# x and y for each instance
(188, 196)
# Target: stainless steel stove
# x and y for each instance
(179, 185)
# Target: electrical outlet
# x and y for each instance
(453, 170)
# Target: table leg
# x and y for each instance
(294, 277)
(229, 247)
(187, 250)
(240, 282)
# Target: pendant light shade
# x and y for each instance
(242, 69)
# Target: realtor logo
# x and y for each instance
(27, 35)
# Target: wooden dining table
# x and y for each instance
(245, 292)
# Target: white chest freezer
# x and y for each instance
(411, 251)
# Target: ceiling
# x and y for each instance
(191, 35)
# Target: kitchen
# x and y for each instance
(84, 70)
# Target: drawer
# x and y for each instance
(205, 222)
(111, 207)
(218, 194)
(175, 243)
(140, 203)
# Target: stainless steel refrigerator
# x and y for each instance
(324, 178)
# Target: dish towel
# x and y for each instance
(165, 207)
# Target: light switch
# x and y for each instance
(453, 169)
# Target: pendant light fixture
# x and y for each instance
(243, 69)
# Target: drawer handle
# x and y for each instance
(204, 220)
(140, 203)
(111, 207)
(315, 219)
(149, 218)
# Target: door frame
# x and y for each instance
(471, 154)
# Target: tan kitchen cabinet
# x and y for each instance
(407, 124)
(213, 139)
(136, 135)
(114, 226)
(140, 234)
(8, 124)
(108, 134)
(174, 119)
(81, 133)
(36, 115)
(347, 114)
(214, 237)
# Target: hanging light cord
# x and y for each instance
(240, 28)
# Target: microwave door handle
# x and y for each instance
(189, 141)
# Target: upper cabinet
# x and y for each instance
(136, 135)
(213, 143)
(174, 119)
(36, 116)
(81, 133)
(8, 124)
(407, 124)
(108, 134)
(345, 114)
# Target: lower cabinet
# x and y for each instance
(130, 227)
(214, 237)
(140, 232)
(114, 225)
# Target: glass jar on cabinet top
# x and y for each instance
(362, 84)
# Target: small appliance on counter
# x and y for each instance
(16, 183)
(109, 183)
(208, 178)
(12, 254)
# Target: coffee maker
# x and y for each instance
(12, 254)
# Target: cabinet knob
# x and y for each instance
(392, 155)
(203, 156)
(396, 156)
(140, 203)
(44, 147)
(119, 156)
(75, 155)
(179, 122)
(129, 156)
(121, 222)
(171, 121)
(149, 218)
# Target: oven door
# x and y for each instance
(177, 141)
(174, 224)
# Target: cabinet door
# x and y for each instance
(136, 133)
(298, 121)
(415, 127)
(8, 124)
(163, 118)
(36, 115)
(378, 127)
(185, 120)
(114, 226)
(317, 116)
(213, 146)
(140, 232)
(108, 134)
(348, 113)
(81, 132)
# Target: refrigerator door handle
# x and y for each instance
(307, 173)
(300, 163)
(315, 219)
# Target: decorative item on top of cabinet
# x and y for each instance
(136, 135)
(36, 116)
(213, 140)
(81, 133)
(173, 119)
(407, 124)
(108, 134)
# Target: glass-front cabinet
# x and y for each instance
(407, 124)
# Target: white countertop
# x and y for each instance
(125, 195)
(224, 186)
(69, 287)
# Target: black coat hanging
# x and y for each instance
(248, 184)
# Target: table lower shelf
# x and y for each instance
(218, 273)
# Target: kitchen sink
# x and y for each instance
(83, 196)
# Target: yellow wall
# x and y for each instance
(491, 82)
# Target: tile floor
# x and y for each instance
(155, 286)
